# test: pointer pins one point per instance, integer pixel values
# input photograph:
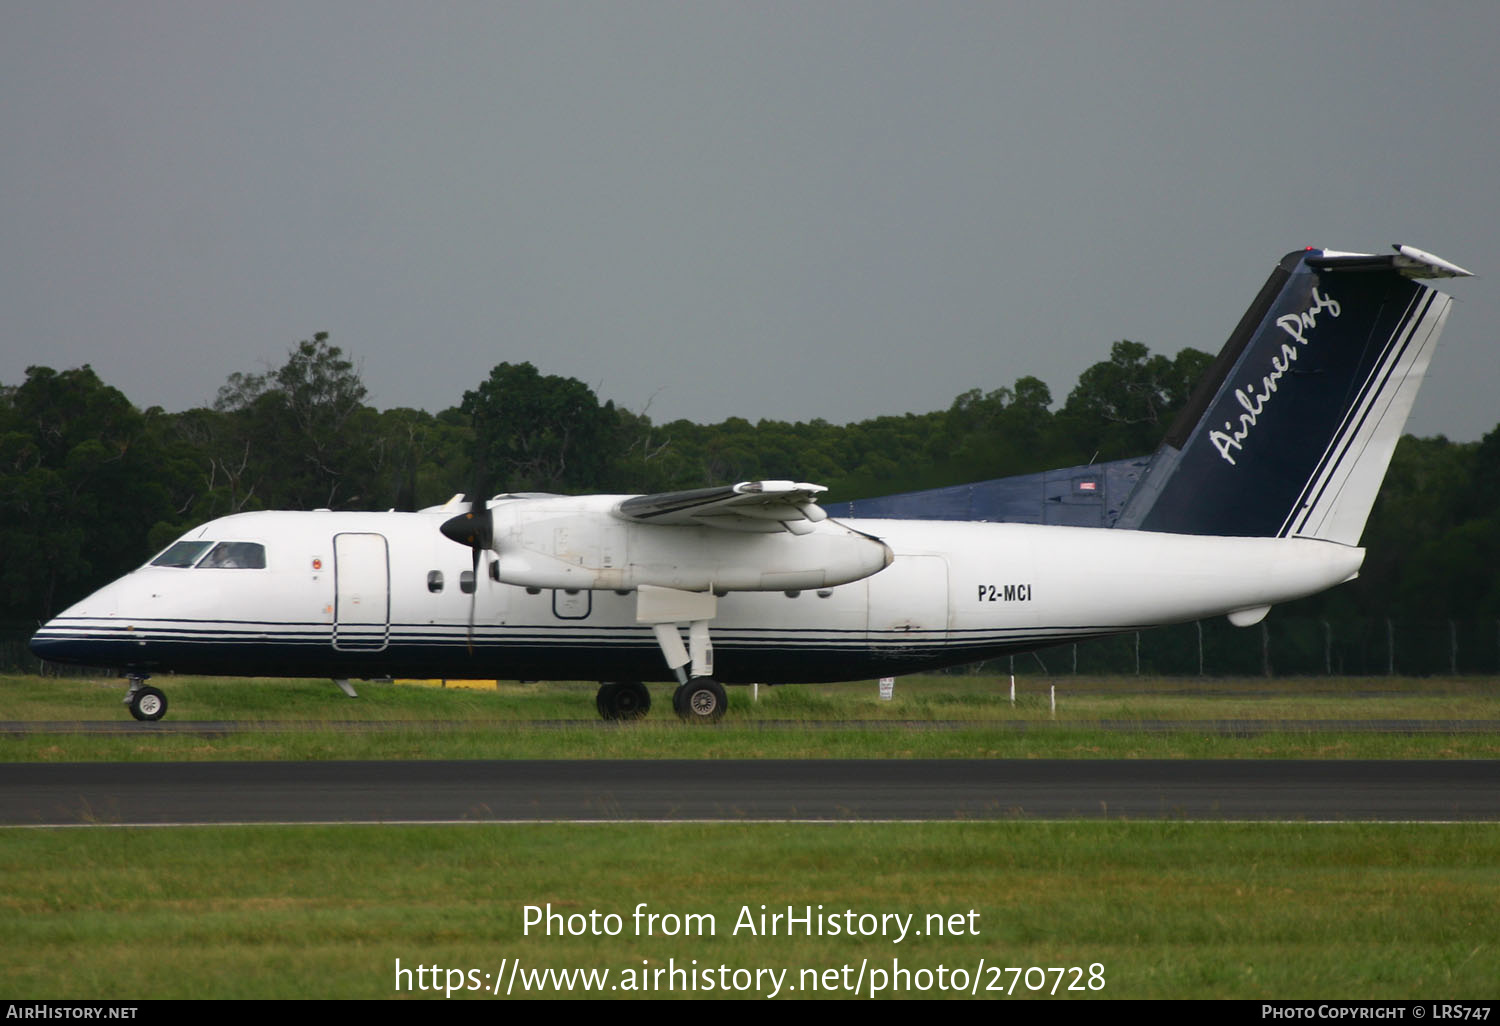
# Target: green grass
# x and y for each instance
(805, 721)
(935, 696)
(1171, 910)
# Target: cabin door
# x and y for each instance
(362, 601)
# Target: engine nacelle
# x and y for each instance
(571, 548)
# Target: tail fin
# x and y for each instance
(1291, 430)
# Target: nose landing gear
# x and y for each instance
(145, 703)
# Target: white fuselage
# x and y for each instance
(379, 594)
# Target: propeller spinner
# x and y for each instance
(476, 528)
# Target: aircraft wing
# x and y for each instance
(759, 506)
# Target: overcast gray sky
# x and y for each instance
(780, 210)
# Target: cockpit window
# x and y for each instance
(236, 555)
(182, 554)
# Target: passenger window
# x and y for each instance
(182, 554)
(466, 582)
(435, 581)
(236, 556)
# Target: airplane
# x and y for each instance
(1257, 496)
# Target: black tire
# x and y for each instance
(623, 700)
(701, 700)
(148, 704)
(604, 701)
(633, 700)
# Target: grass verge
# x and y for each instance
(824, 721)
(1170, 910)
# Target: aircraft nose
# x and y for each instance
(39, 643)
(51, 644)
(87, 633)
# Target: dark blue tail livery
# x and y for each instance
(1291, 431)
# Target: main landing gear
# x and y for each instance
(700, 700)
(146, 703)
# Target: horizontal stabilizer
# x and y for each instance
(1406, 260)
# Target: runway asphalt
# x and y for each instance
(71, 794)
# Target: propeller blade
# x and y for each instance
(473, 597)
(476, 529)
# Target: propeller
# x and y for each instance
(476, 529)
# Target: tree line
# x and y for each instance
(91, 486)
